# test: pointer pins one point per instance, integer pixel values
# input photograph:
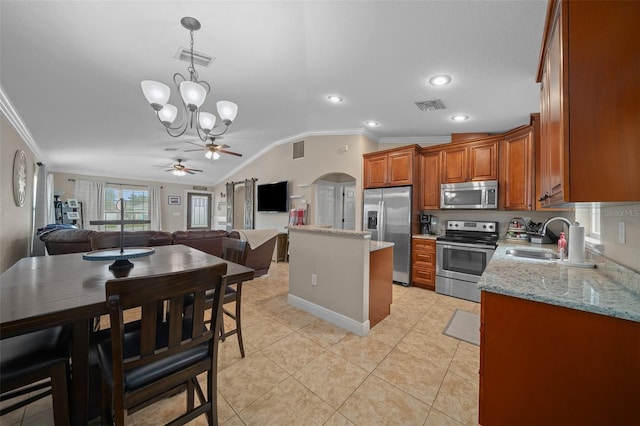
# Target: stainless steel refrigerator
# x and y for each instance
(387, 215)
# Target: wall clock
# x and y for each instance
(20, 178)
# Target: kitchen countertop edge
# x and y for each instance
(585, 289)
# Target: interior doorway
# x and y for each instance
(336, 201)
(198, 210)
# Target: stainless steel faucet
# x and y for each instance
(543, 230)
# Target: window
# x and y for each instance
(136, 206)
(594, 232)
(199, 211)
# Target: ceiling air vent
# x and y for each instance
(431, 105)
(199, 58)
(298, 150)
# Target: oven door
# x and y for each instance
(461, 261)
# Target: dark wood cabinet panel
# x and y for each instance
(471, 161)
(542, 364)
(390, 168)
(423, 268)
(589, 147)
(483, 161)
(430, 180)
(516, 172)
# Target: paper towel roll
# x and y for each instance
(576, 244)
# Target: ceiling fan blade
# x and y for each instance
(170, 170)
(230, 152)
(193, 150)
(190, 172)
(196, 144)
(223, 146)
(194, 170)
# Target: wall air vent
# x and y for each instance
(431, 105)
(298, 150)
(199, 58)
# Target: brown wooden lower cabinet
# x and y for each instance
(380, 284)
(423, 267)
(542, 364)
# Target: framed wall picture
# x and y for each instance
(72, 203)
(73, 215)
(174, 200)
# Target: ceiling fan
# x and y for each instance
(213, 150)
(180, 169)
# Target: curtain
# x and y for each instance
(248, 203)
(229, 186)
(91, 194)
(155, 208)
(40, 210)
(51, 211)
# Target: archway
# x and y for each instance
(335, 201)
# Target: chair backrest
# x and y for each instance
(158, 341)
(234, 250)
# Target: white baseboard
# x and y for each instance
(361, 329)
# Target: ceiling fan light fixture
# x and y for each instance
(156, 93)
(179, 172)
(167, 114)
(207, 121)
(440, 80)
(212, 155)
(193, 93)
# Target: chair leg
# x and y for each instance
(105, 414)
(190, 390)
(60, 393)
(238, 321)
(222, 336)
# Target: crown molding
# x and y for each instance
(419, 140)
(18, 124)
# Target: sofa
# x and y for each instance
(64, 241)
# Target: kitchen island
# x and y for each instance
(559, 345)
(340, 276)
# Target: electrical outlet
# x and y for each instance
(314, 279)
(622, 230)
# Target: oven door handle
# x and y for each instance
(466, 248)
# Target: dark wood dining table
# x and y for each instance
(45, 291)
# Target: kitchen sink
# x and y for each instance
(532, 254)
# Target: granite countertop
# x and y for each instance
(425, 236)
(585, 289)
(329, 230)
(379, 245)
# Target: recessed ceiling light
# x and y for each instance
(460, 117)
(372, 123)
(335, 99)
(440, 80)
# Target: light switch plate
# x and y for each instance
(622, 232)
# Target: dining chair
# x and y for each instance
(235, 251)
(27, 360)
(141, 366)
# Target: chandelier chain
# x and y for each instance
(192, 68)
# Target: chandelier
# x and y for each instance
(193, 93)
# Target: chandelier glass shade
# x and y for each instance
(193, 93)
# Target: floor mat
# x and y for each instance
(465, 326)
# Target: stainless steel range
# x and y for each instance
(462, 254)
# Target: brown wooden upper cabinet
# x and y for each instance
(517, 169)
(389, 168)
(471, 161)
(430, 167)
(589, 148)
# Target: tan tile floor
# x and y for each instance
(302, 370)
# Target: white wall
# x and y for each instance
(323, 155)
(15, 222)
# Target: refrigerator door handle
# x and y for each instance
(383, 225)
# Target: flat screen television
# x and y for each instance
(273, 197)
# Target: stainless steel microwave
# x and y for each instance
(469, 195)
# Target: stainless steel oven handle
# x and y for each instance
(466, 246)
